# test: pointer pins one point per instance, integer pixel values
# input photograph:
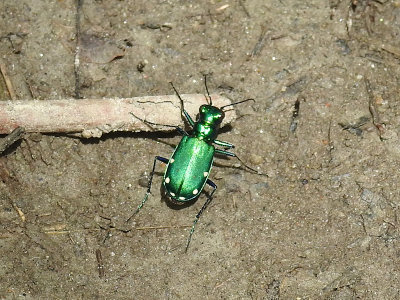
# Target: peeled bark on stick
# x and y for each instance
(93, 117)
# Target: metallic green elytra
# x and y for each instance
(188, 169)
(190, 165)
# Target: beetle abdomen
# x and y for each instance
(188, 169)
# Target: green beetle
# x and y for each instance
(190, 165)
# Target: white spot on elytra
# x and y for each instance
(205, 174)
(171, 160)
(172, 194)
(195, 191)
(181, 198)
(167, 180)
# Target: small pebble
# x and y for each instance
(256, 159)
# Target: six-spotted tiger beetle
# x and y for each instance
(189, 166)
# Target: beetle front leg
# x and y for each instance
(177, 128)
(209, 198)
(159, 158)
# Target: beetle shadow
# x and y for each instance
(175, 205)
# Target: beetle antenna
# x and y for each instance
(208, 93)
(250, 99)
(179, 96)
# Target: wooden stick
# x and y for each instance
(93, 117)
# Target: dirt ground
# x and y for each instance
(323, 224)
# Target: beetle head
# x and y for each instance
(211, 115)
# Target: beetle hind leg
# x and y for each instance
(209, 199)
(159, 158)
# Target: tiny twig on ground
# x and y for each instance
(162, 227)
(261, 41)
(56, 232)
(295, 114)
(376, 120)
(100, 264)
(77, 49)
(244, 8)
(329, 141)
(10, 139)
(93, 117)
(7, 80)
(19, 211)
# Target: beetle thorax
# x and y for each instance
(210, 118)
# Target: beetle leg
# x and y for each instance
(234, 155)
(180, 130)
(188, 118)
(224, 144)
(227, 153)
(159, 158)
(209, 198)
